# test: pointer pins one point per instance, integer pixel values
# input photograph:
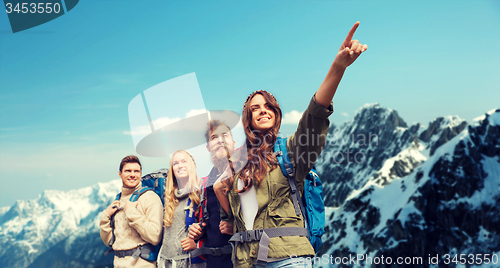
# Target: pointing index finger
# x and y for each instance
(348, 39)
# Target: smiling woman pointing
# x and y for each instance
(257, 199)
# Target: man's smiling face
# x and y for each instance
(131, 175)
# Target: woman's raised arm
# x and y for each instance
(349, 51)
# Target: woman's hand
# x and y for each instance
(188, 244)
(349, 50)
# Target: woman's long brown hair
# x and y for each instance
(259, 144)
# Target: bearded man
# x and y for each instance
(215, 232)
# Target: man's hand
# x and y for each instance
(188, 244)
(111, 209)
(195, 231)
(226, 228)
(220, 188)
(349, 50)
(219, 183)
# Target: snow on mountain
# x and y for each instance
(441, 131)
(448, 203)
(3, 211)
(30, 228)
(378, 145)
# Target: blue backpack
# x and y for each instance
(312, 205)
(155, 182)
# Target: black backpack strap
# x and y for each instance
(108, 251)
(112, 225)
(264, 237)
(218, 251)
(142, 250)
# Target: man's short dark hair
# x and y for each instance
(212, 125)
(129, 159)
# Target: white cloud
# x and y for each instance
(195, 112)
(345, 114)
(162, 122)
(157, 124)
(291, 118)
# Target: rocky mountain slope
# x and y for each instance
(58, 229)
(435, 195)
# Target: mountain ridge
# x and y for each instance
(448, 205)
(32, 227)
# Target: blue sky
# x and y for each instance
(66, 85)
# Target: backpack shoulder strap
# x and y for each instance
(138, 193)
(112, 225)
(204, 185)
(190, 217)
(203, 216)
(281, 153)
(286, 167)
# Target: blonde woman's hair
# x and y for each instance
(193, 187)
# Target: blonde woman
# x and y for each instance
(182, 198)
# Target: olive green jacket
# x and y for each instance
(275, 207)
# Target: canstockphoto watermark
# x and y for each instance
(362, 259)
(309, 138)
(339, 149)
(26, 14)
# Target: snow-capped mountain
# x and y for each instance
(393, 190)
(435, 195)
(57, 227)
(378, 145)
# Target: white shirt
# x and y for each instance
(249, 204)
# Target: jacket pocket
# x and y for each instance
(283, 214)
